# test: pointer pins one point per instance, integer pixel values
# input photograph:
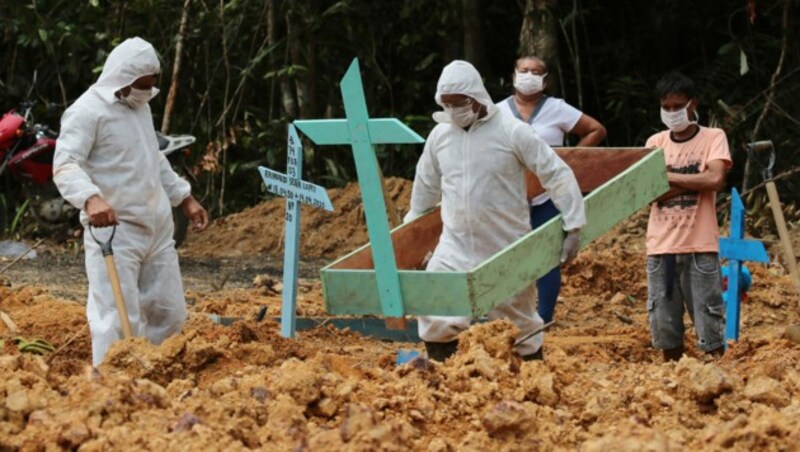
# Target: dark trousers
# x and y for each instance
(549, 285)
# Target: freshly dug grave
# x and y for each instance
(601, 387)
(245, 387)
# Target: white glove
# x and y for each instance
(569, 249)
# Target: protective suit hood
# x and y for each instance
(461, 77)
(130, 60)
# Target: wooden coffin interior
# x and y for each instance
(593, 167)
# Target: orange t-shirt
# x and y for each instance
(687, 223)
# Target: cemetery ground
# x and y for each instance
(214, 387)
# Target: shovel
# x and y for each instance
(534, 332)
(111, 267)
(775, 205)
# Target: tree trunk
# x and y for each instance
(312, 99)
(287, 98)
(539, 36)
(271, 4)
(176, 67)
(293, 32)
(287, 92)
(474, 49)
(770, 90)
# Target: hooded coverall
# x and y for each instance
(478, 174)
(109, 149)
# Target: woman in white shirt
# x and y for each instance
(552, 118)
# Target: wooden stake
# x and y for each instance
(12, 328)
(783, 232)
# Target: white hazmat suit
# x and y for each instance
(478, 174)
(109, 149)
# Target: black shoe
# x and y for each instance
(673, 354)
(538, 356)
(440, 351)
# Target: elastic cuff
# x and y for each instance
(83, 197)
(175, 201)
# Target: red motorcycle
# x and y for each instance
(26, 153)
(26, 161)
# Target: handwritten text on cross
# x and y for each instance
(295, 191)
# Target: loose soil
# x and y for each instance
(601, 386)
(260, 229)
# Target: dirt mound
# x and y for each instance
(601, 386)
(605, 273)
(244, 386)
(260, 229)
(37, 315)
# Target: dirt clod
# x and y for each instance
(601, 386)
(508, 418)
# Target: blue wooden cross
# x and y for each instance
(296, 191)
(361, 132)
(736, 249)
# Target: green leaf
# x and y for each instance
(743, 67)
(426, 62)
(43, 34)
(726, 48)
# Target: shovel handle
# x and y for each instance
(783, 233)
(105, 247)
(113, 276)
(122, 310)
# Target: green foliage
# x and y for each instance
(15, 224)
(238, 83)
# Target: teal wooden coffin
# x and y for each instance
(616, 182)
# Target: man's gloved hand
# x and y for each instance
(569, 249)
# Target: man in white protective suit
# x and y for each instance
(107, 164)
(474, 162)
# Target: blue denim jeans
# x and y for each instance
(549, 285)
(693, 280)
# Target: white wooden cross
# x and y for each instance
(296, 191)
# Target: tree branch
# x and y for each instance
(176, 68)
(782, 175)
(771, 92)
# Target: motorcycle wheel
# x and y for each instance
(181, 224)
(64, 217)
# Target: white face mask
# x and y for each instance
(463, 116)
(528, 83)
(677, 121)
(138, 97)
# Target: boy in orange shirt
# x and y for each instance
(682, 237)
